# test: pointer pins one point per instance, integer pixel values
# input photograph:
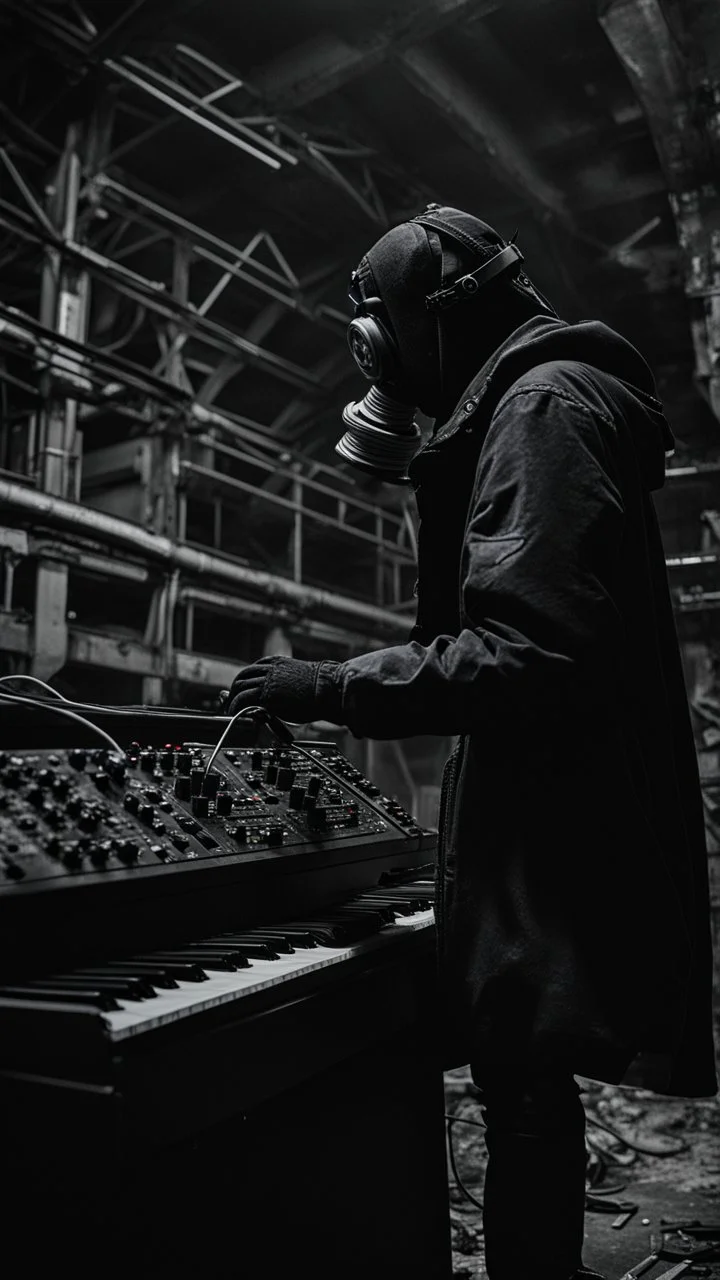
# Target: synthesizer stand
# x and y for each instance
(217, 1046)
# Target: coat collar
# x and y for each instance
(476, 390)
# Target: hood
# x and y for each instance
(543, 340)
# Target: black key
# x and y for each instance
(256, 950)
(333, 933)
(157, 975)
(123, 988)
(402, 908)
(295, 936)
(219, 949)
(184, 971)
(208, 959)
(277, 941)
(383, 915)
(96, 999)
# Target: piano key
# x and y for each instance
(260, 950)
(404, 905)
(97, 999)
(141, 987)
(275, 940)
(208, 960)
(187, 970)
(294, 936)
(159, 977)
(126, 989)
(225, 987)
(380, 915)
(337, 932)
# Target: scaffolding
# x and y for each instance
(171, 505)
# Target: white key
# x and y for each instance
(190, 998)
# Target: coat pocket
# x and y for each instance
(486, 553)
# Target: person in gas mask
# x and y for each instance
(572, 905)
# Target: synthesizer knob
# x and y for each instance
(317, 819)
(74, 806)
(257, 760)
(200, 806)
(240, 834)
(128, 850)
(210, 785)
(78, 759)
(100, 852)
(102, 780)
(285, 778)
(72, 855)
(52, 847)
(146, 813)
(271, 774)
(12, 776)
(152, 794)
(166, 806)
(296, 799)
(13, 870)
(179, 840)
(87, 821)
(27, 823)
(116, 768)
(45, 777)
(60, 787)
(147, 761)
(167, 761)
(131, 802)
(274, 836)
(35, 797)
(184, 761)
(183, 788)
(223, 803)
(196, 779)
(314, 784)
(52, 815)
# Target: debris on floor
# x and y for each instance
(661, 1154)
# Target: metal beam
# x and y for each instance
(57, 513)
(328, 62)
(481, 125)
(155, 297)
(200, 112)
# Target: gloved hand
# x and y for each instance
(289, 688)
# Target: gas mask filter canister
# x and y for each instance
(381, 437)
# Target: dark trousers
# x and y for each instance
(534, 1197)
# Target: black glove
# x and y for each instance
(289, 688)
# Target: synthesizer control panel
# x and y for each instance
(86, 810)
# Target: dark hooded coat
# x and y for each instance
(572, 910)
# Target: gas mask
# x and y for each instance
(400, 291)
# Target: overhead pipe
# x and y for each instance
(71, 517)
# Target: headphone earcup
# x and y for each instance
(373, 349)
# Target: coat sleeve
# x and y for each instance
(540, 554)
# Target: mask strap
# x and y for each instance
(449, 267)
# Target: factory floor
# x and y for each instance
(670, 1184)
